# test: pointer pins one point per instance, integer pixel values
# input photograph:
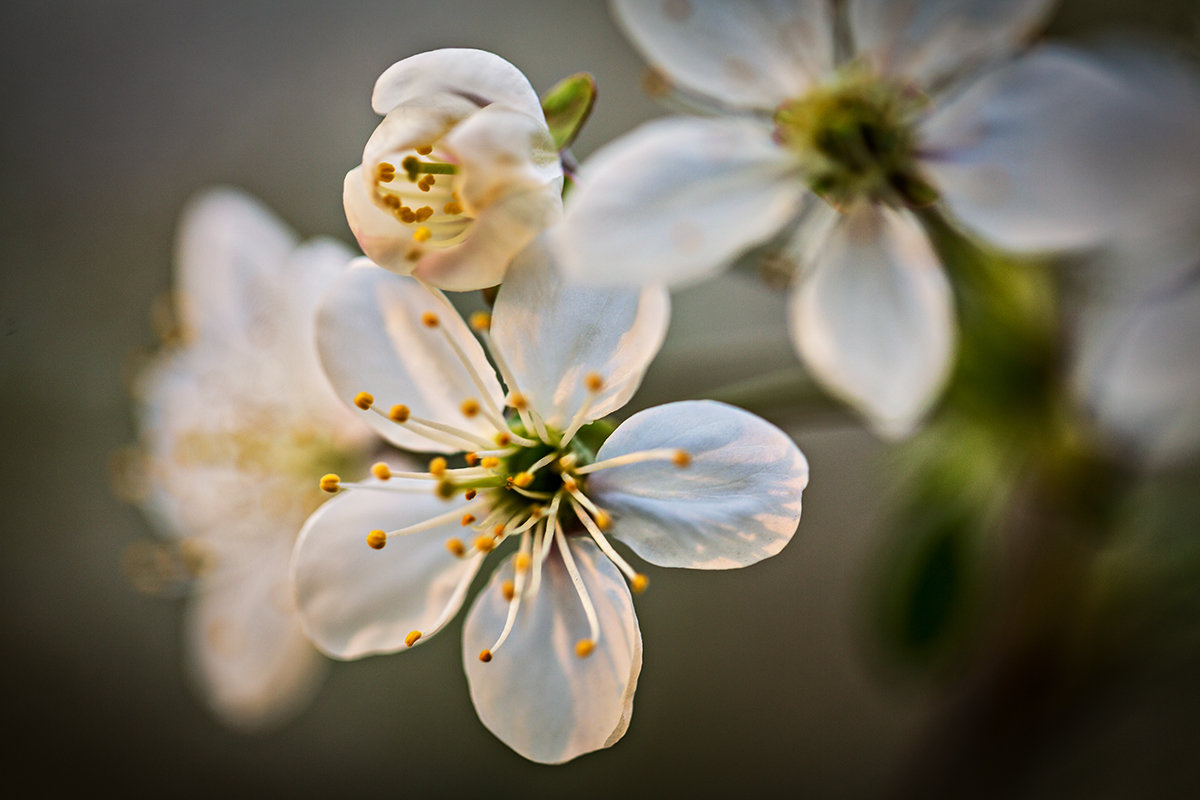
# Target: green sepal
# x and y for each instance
(567, 107)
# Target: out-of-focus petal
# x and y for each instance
(752, 54)
(553, 333)
(873, 318)
(676, 200)
(536, 694)
(925, 41)
(245, 648)
(230, 253)
(1055, 150)
(475, 75)
(354, 601)
(372, 338)
(736, 503)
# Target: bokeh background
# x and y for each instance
(755, 682)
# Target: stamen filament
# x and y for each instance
(532, 495)
(379, 487)
(527, 415)
(515, 602)
(436, 437)
(602, 541)
(589, 610)
(441, 519)
(663, 454)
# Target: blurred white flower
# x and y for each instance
(1049, 150)
(552, 648)
(460, 175)
(236, 422)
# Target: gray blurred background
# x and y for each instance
(115, 111)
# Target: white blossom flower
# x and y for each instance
(235, 417)
(461, 173)
(837, 154)
(552, 648)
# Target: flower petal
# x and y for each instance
(499, 151)
(245, 646)
(1055, 150)
(873, 318)
(371, 338)
(736, 503)
(677, 200)
(554, 333)
(536, 695)
(356, 601)
(476, 75)
(928, 40)
(748, 55)
(230, 255)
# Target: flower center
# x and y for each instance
(855, 138)
(421, 194)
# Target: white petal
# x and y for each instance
(246, 650)
(536, 695)
(927, 40)
(230, 251)
(736, 503)
(499, 151)
(355, 601)
(553, 333)
(873, 318)
(371, 339)
(748, 55)
(676, 200)
(476, 75)
(1054, 151)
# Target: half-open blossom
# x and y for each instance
(552, 648)
(461, 173)
(236, 421)
(837, 154)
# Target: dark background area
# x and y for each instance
(115, 113)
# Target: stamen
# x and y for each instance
(456, 546)
(381, 471)
(364, 400)
(330, 483)
(528, 419)
(514, 600)
(377, 539)
(469, 494)
(433, 522)
(588, 609)
(469, 408)
(681, 458)
(462, 440)
(602, 542)
(593, 383)
(422, 234)
(385, 172)
(425, 149)
(412, 638)
(481, 321)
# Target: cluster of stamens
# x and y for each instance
(416, 198)
(527, 482)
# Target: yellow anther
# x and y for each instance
(424, 149)
(427, 183)
(407, 215)
(456, 546)
(682, 458)
(485, 544)
(639, 583)
(481, 321)
(364, 400)
(445, 489)
(584, 647)
(570, 483)
(422, 234)
(522, 562)
(429, 319)
(385, 172)
(399, 413)
(469, 494)
(489, 462)
(412, 638)
(424, 212)
(467, 519)
(437, 467)
(498, 531)
(518, 401)
(503, 438)
(469, 408)
(593, 382)
(377, 539)
(485, 655)
(508, 589)
(381, 471)
(603, 520)
(522, 479)
(391, 201)
(452, 208)
(471, 458)
(330, 483)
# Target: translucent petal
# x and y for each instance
(553, 333)
(873, 318)
(372, 338)
(355, 601)
(676, 200)
(501, 151)
(736, 503)
(748, 55)
(476, 75)
(536, 694)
